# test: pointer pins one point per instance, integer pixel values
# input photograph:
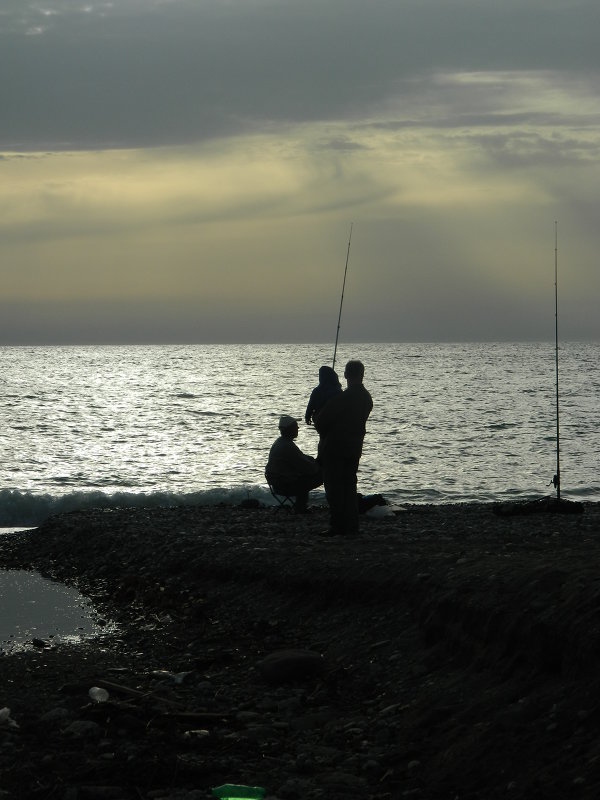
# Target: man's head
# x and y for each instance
(288, 427)
(354, 372)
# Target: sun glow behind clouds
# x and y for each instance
(451, 190)
(158, 224)
(124, 188)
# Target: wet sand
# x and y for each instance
(447, 652)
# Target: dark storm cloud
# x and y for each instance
(134, 73)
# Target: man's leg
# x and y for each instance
(303, 487)
(333, 474)
(301, 504)
(350, 468)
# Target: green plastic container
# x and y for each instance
(232, 791)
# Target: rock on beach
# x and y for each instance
(445, 652)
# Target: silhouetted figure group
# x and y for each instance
(340, 419)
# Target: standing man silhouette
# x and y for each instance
(341, 426)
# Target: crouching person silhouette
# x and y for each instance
(289, 469)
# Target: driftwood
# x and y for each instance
(118, 688)
(178, 714)
(194, 716)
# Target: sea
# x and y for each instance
(133, 426)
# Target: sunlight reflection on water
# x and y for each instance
(462, 422)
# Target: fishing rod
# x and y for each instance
(342, 298)
(556, 479)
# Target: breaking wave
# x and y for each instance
(25, 509)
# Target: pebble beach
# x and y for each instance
(448, 651)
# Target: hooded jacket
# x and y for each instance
(329, 386)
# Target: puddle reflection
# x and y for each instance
(34, 607)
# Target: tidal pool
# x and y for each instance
(33, 607)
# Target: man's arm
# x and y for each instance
(291, 462)
(303, 463)
(328, 414)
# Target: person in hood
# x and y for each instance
(329, 386)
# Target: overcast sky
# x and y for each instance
(188, 170)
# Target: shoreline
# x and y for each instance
(457, 655)
(26, 509)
